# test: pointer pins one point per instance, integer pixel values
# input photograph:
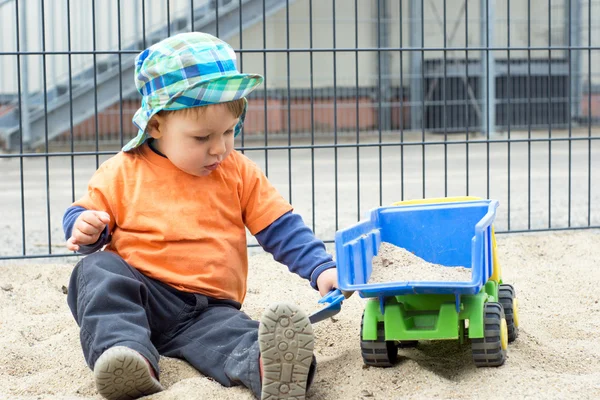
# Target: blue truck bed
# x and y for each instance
(450, 234)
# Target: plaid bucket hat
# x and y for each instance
(187, 70)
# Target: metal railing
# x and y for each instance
(363, 104)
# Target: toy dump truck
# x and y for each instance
(451, 231)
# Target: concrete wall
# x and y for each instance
(322, 38)
(299, 36)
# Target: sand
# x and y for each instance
(557, 354)
(396, 264)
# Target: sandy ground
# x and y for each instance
(557, 354)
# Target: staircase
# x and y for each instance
(83, 98)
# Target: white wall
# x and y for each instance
(56, 33)
(323, 38)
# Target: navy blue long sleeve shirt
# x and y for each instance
(288, 239)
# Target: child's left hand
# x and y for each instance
(327, 281)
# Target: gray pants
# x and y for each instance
(114, 304)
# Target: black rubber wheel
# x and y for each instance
(490, 351)
(378, 353)
(506, 296)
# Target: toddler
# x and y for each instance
(163, 227)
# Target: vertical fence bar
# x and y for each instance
(529, 114)
(81, 35)
(168, 17)
(289, 100)
(53, 44)
(509, 105)
(589, 216)
(357, 111)
(217, 17)
(143, 24)
(110, 32)
(24, 110)
(149, 17)
(192, 15)
(39, 65)
(483, 19)
(240, 32)
(467, 95)
(422, 84)
(266, 119)
(121, 133)
(416, 86)
(21, 125)
(549, 92)
(380, 72)
(490, 85)
(45, 90)
(379, 96)
(569, 90)
(312, 110)
(491, 70)
(444, 114)
(335, 133)
(576, 39)
(401, 97)
(71, 128)
(96, 83)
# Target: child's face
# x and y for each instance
(196, 141)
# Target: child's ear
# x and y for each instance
(154, 127)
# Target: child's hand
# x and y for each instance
(327, 281)
(87, 228)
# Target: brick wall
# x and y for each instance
(299, 111)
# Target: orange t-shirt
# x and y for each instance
(186, 231)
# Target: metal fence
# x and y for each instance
(364, 103)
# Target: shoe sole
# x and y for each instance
(124, 374)
(286, 342)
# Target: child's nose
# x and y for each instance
(218, 146)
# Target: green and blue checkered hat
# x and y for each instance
(187, 70)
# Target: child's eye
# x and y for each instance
(201, 138)
(229, 132)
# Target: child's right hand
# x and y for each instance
(87, 228)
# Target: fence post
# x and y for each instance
(26, 133)
(416, 81)
(573, 39)
(488, 67)
(383, 33)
